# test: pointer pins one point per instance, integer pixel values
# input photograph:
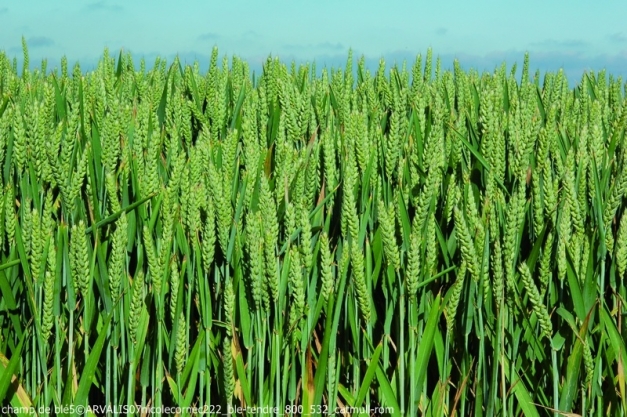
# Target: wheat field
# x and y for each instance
(311, 241)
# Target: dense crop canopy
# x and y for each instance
(419, 244)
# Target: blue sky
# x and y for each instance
(574, 35)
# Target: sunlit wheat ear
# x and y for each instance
(453, 302)
(254, 247)
(588, 360)
(137, 303)
(174, 288)
(19, 143)
(388, 228)
(467, 248)
(79, 259)
(209, 237)
(154, 266)
(37, 246)
(297, 293)
(514, 218)
(359, 281)
(9, 213)
(536, 301)
(621, 246)
(229, 306)
(181, 345)
(117, 267)
(538, 206)
(49, 280)
(228, 377)
(223, 207)
(326, 266)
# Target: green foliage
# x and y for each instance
(174, 238)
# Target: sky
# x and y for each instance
(482, 34)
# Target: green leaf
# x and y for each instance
(426, 343)
(524, 400)
(113, 217)
(243, 379)
(388, 397)
(618, 345)
(8, 369)
(88, 373)
(370, 373)
(571, 381)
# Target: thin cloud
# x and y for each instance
(331, 46)
(4, 10)
(563, 43)
(618, 37)
(103, 6)
(441, 31)
(209, 36)
(40, 42)
(322, 46)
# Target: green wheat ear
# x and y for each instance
(621, 246)
(536, 301)
(359, 281)
(79, 256)
(154, 266)
(297, 292)
(117, 267)
(137, 303)
(467, 248)
(388, 228)
(326, 265)
(453, 302)
(48, 290)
